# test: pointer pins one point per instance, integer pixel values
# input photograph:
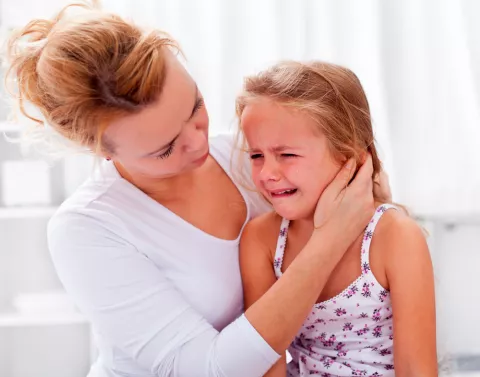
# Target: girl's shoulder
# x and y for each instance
(397, 240)
(265, 229)
(393, 227)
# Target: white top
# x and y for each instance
(350, 334)
(164, 297)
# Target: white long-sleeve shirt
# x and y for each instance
(164, 297)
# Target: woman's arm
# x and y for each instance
(137, 309)
(256, 266)
(409, 273)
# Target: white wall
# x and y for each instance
(456, 256)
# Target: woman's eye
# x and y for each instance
(288, 155)
(255, 156)
(167, 153)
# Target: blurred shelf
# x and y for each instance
(450, 218)
(26, 212)
(18, 320)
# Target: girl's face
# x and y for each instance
(291, 161)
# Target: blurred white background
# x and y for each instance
(419, 62)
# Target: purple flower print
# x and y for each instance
(376, 315)
(381, 209)
(363, 331)
(390, 337)
(303, 359)
(365, 267)
(339, 346)
(283, 232)
(368, 235)
(385, 352)
(320, 320)
(322, 336)
(366, 290)
(347, 364)
(330, 342)
(363, 315)
(389, 367)
(311, 327)
(377, 331)
(321, 306)
(389, 317)
(277, 262)
(324, 374)
(383, 295)
(328, 362)
(351, 291)
(340, 311)
(359, 372)
(347, 326)
(375, 374)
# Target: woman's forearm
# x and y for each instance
(280, 312)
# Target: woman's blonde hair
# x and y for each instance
(330, 94)
(82, 70)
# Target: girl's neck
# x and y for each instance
(306, 224)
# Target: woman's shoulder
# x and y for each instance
(223, 142)
(98, 204)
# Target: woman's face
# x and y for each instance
(167, 138)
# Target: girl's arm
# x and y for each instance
(409, 273)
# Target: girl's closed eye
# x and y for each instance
(255, 156)
(288, 155)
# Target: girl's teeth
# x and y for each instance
(284, 192)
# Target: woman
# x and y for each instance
(148, 247)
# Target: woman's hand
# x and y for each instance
(347, 208)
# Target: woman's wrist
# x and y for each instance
(330, 239)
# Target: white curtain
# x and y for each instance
(419, 62)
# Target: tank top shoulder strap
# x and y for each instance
(280, 249)
(367, 236)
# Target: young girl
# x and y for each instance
(376, 313)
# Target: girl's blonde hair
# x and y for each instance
(330, 94)
(85, 69)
